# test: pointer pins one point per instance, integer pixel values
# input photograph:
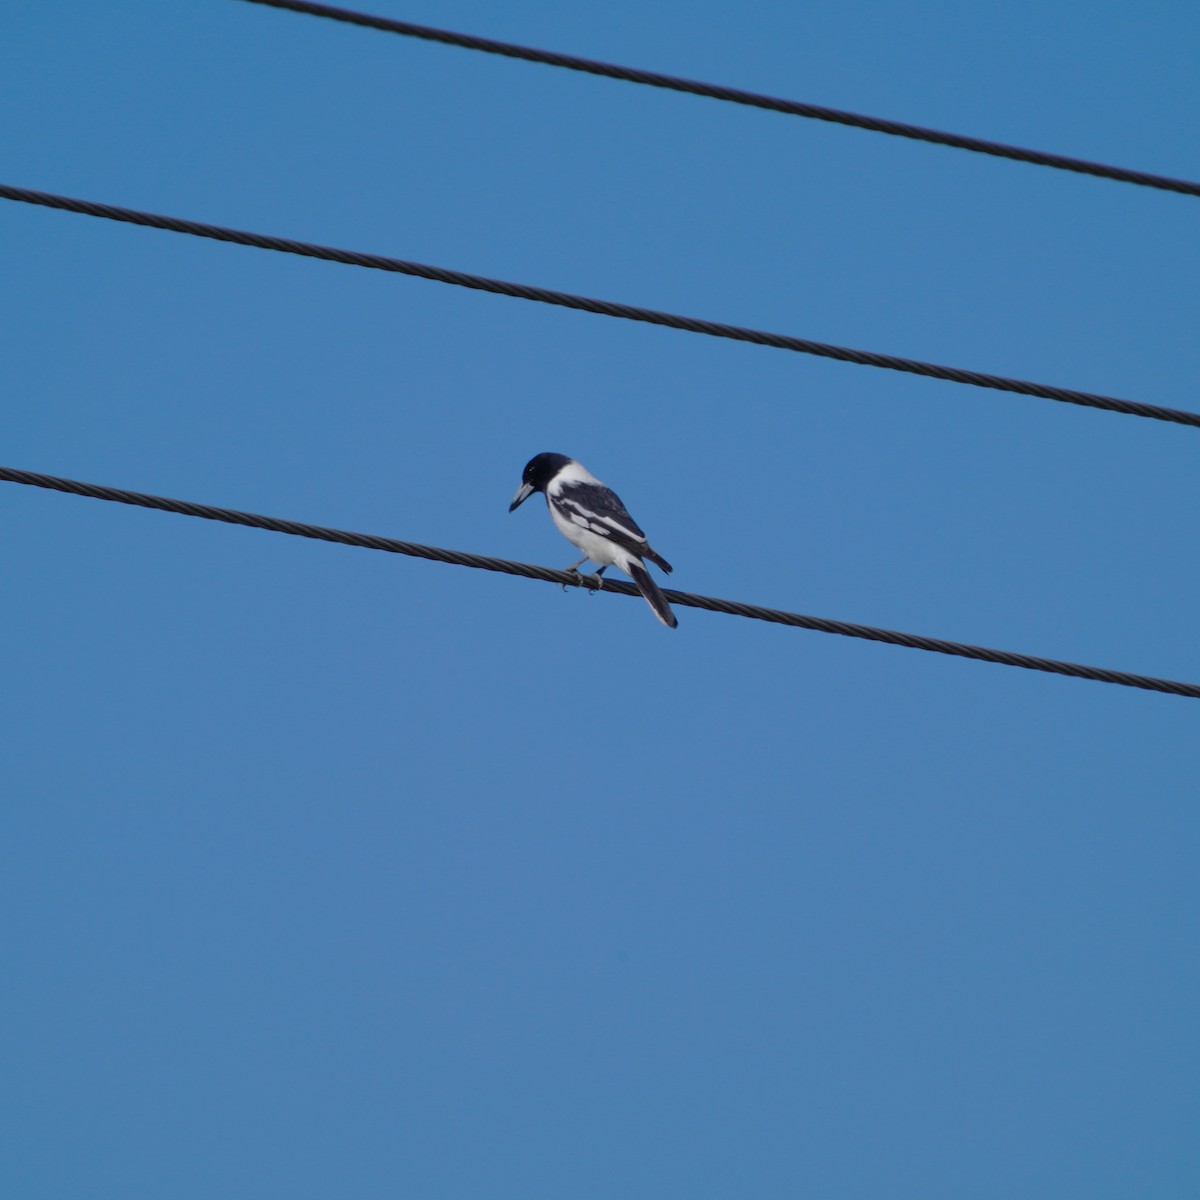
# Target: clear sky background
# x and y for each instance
(329, 873)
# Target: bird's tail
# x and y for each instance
(652, 592)
(657, 559)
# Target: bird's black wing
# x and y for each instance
(594, 507)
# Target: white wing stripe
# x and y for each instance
(593, 520)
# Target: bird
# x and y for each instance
(591, 515)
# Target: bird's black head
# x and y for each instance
(542, 468)
(538, 472)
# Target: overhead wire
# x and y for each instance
(609, 308)
(630, 312)
(572, 62)
(484, 562)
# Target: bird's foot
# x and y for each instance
(592, 582)
(573, 569)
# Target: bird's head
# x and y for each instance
(538, 472)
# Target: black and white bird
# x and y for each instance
(593, 517)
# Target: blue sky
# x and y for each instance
(327, 872)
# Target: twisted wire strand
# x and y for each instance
(484, 562)
(713, 91)
(609, 308)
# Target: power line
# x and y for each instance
(714, 91)
(608, 308)
(484, 562)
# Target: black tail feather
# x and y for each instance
(657, 559)
(653, 593)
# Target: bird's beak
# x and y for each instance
(523, 494)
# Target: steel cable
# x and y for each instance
(484, 562)
(714, 91)
(609, 308)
